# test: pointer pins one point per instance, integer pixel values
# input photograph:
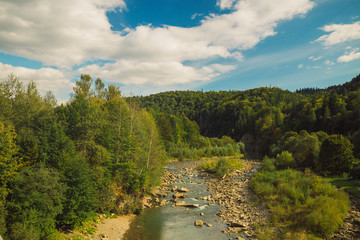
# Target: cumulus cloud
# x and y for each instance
(339, 33)
(156, 73)
(350, 56)
(46, 79)
(58, 33)
(70, 32)
(300, 66)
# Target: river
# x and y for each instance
(177, 223)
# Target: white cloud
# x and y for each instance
(70, 32)
(312, 58)
(59, 33)
(46, 79)
(350, 56)
(225, 4)
(340, 33)
(157, 73)
(300, 66)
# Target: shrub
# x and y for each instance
(299, 199)
(268, 164)
(224, 166)
(284, 160)
(220, 167)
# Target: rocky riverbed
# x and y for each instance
(240, 209)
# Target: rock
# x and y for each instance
(208, 225)
(193, 205)
(198, 223)
(237, 224)
(163, 202)
(179, 195)
(201, 214)
(183, 189)
(159, 193)
(180, 204)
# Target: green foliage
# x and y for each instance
(220, 167)
(214, 147)
(9, 163)
(336, 155)
(79, 202)
(304, 147)
(284, 160)
(35, 201)
(268, 164)
(225, 166)
(302, 199)
(91, 154)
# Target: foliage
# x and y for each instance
(302, 199)
(220, 167)
(336, 155)
(264, 113)
(35, 201)
(284, 160)
(89, 155)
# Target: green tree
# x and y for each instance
(35, 201)
(336, 155)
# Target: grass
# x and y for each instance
(303, 205)
(347, 184)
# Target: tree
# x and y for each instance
(79, 202)
(336, 155)
(35, 201)
(83, 87)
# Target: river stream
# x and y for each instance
(177, 223)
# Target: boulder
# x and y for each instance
(198, 223)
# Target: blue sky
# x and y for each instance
(152, 46)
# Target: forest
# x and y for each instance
(101, 152)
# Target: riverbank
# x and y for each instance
(113, 228)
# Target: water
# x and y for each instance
(177, 223)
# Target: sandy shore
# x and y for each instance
(113, 228)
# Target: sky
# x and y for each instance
(147, 47)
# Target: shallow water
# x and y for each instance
(177, 223)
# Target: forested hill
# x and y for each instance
(264, 113)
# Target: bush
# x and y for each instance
(221, 166)
(224, 166)
(284, 160)
(318, 205)
(268, 164)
